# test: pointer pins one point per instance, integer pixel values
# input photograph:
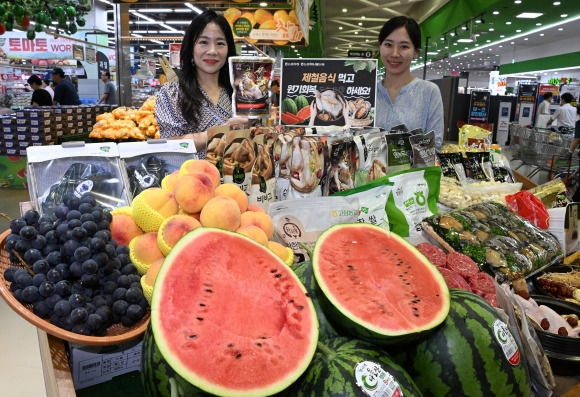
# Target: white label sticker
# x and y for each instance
(84, 187)
(506, 341)
(376, 382)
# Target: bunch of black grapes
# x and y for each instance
(81, 279)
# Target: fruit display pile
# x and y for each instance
(126, 123)
(68, 14)
(230, 319)
(189, 198)
(76, 275)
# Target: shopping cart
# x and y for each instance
(538, 146)
(565, 167)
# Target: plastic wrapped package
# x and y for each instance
(147, 163)
(75, 167)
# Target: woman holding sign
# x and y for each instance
(202, 97)
(402, 98)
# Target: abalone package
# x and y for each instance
(251, 77)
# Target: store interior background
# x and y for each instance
(535, 54)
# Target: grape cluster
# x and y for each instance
(82, 280)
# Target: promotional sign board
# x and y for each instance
(318, 92)
(497, 83)
(479, 107)
(267, 26)
(527, 93)
(503, 118)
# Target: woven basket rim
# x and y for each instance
(126, 334)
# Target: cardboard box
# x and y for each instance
(91, 365)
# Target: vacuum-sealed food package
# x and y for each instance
(148, 162)
(78, 168)
(251, 78)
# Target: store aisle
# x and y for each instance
(20, 364)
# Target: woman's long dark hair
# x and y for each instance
(191, 95)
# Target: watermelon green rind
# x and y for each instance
(304, 272)
(234, 323)
(395, 295)
(463, 357)
(332, 371)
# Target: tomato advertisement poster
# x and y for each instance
(323, 92)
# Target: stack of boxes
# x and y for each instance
(38, 126)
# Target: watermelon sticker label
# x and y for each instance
(376, 382)
(507, 342)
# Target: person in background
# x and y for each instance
(110, 95)
(6, 104)
(275, 93)
(40, 97)
(573, 145)
(402, 98)
(47, 86)
(202, 97)
(566, 113)
(544, 107)
(65, 92)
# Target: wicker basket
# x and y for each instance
(116, 333)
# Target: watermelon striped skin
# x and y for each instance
(157, 376)
(304, 272)
(332, 371)
(463, 357)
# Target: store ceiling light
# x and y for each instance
(193, 8)
(529, 15)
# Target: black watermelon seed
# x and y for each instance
(200, 318)
(238, 355)
(278, 275)
(307, 295)
(192, 336)
(202, 304)
(259, 344)
(273, 270)
(300, 307)
(230, 345)
(291, 301)
(209, 291)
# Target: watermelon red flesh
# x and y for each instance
(379, 281)
(230, 317)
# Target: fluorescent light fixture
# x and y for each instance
(145, 17)
(432, 52)
(465, 40)
(147, 10)
(530, 15)
(168, 27)
(193, 8)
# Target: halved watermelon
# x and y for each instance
(230, 317)
(377, 286)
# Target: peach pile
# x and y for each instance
(189, 198)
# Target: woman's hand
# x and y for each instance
(242, 121)
(345, 111)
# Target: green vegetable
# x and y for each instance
(496, 230)
(475, 252)
(452, 237)
(464, 222)
(511, 264)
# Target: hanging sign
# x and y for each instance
(266, 26)
(527, 92)
(91, 54)
(174, 50)
(78, 52)
(317, 92)
(479, 107)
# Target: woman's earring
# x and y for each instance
(192, 62)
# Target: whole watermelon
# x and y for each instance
(345, 367)
(304, 272)
(472, 353)
(157, 376)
